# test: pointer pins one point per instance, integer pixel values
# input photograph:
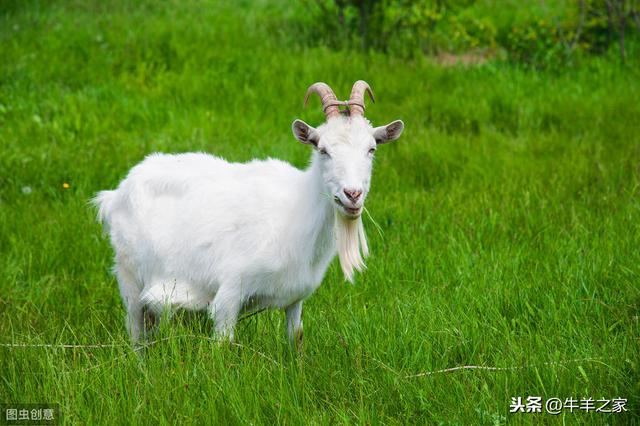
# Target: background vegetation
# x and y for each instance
(547, 33)
(508, 212)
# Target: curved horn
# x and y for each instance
(356, 100)
(329, 101)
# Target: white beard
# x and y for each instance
(350, 240)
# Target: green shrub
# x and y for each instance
(531, 32)
(539, 42)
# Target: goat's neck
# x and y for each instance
(319, 218)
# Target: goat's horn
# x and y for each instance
(356, 100)
(329, 101)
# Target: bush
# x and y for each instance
(530, 32)
(537, 43)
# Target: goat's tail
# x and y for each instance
(104, 201)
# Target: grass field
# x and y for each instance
(508, 212)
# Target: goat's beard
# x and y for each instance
(352, 244)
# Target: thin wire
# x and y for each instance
(135, 349)
(490, 368)
(62, 346)
(410, 376)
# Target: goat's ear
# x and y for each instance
(305, 133)
(388, 133)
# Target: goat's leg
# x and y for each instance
(130, 293)
(294, 324)
(224, 309)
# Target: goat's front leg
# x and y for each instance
(294, 324)
(224, 310)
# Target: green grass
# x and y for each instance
(509, 213)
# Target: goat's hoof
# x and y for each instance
(223, 339)
(299, 340)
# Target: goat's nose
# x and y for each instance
(352, 194)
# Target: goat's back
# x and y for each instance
(199, 218)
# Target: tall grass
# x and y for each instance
(508, 214)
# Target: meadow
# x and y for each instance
(504, 224)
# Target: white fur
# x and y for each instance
(194, 231)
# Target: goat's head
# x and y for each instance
(345, 145)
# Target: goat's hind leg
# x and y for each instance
(130, 293)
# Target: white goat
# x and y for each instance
(194, 231)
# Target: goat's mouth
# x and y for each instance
(351, 212)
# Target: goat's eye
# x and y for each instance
(323, 151)
(371, 151)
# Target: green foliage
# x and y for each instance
(537, 43)
(509, 215)
(530, 32)
(589, 27)
(599, 22)
(400, 26)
